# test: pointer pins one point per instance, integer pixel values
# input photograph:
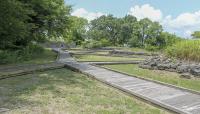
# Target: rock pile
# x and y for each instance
(163, 63)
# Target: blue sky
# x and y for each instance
(181, 17)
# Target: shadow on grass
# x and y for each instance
(15, 92)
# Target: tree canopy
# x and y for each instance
(128, 31)
(24, 21)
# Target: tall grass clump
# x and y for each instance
(185, 50)
(23, 54)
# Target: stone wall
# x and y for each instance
(120, 52)
(162, 63)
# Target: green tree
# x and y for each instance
(78, 29)
(196, 35)
(169, 39)
(127, 27)
(13, 24)
(127, 30)
(108, 27)
(150, 32)
(153, 34)
(144, 25)
(50, 18)
(24, 21)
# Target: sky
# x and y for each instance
(181, 17)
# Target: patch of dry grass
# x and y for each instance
(65, 92)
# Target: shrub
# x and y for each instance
(152, 48)
(95, 43)
(104, 42)
(25, 54)
(134, 42)
(185, 50)
(8, 57)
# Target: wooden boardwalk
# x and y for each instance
(171, 98)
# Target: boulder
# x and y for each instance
(145, 67)
(195, 71)
(160, 67)
(173, 66)
(152, 64)
(186, 76)
(163, 66)
(183, 68)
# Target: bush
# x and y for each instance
(25, 54)
(134, 42)
(104, 42)
(185, 50)
(95, 43)
(152, 48)
(8, 57)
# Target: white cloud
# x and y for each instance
(146, 11)
(185, 23)
(81, 12)
(185, 20)
(182, 25)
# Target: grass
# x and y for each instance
(65, 92)
(103, 58)
(47, 57)
(103, 52)
(163, 76)
(185, 50)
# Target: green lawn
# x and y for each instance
(103, 58)
(86, 51)
(65, 92)
(163, 76)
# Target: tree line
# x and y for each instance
(126, 31)
(23, 22)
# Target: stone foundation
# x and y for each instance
(118, 52)
(162, 63)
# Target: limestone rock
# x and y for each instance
(183, 69)
(163, 63)
(195, 71)
(185, 75)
